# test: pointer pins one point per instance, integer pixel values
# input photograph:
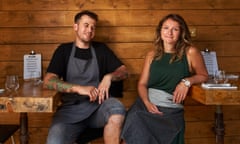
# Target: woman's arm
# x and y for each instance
(199, 74)
(196, 66)
(143, 82)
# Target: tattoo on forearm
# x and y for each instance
(119, 75)
(59, 85)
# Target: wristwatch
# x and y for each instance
(186, 82)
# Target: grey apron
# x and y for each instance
(142, 127)
(76, 107)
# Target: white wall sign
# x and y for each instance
(32, 65)
(210, 60)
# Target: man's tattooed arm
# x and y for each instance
(59, 85)
(120, 74)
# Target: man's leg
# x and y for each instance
(112, 129)
(61, 133)
(110, 115)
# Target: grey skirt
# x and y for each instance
(142, 127)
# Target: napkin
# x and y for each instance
(218, 86)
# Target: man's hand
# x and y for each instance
(103, 88)
(90, 91)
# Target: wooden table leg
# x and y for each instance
(24, 128)
(219, 125)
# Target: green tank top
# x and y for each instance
(166, 76)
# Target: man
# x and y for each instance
(83, 71)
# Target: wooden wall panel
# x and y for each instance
(116, 34)
(117, 18)
(113, 4)
(128, 27)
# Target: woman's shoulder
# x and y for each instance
(150, 56)
(192, 50)
(150, 53)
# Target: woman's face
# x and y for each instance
(170, 31)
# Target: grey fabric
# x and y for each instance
(81, 71)
(142, 127)
(84, 72)
(162, 98)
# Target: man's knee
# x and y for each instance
(116, 119)
(114, 106)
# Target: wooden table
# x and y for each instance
(217, 97)
(29, 98)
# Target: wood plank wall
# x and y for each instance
(127, 26)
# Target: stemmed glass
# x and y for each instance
(220, 77)
(12, 84)
(36, 77)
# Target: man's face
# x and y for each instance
(85, 29)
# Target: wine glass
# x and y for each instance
(220, 77)
(36, 77)
(12, 84)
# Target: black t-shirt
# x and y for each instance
(107, 63)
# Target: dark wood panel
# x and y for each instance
(204, 129)
(117, 18)
(122, 50)
(212, 140)
(15, 52)
(112, 5)
(229, 64)
(16, 67)
(222, 48)
(202, 112)
(117, 34)
(128, 50)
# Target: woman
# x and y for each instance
(157, 117)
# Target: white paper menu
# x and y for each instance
(210, 60)
(32, 63)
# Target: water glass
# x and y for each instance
(11, 84)
(220, 77)
(36, 77)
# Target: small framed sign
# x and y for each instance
(210, 60)
(32, 66)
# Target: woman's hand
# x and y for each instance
(180, 93)
(152, 108)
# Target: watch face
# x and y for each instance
(187, 83)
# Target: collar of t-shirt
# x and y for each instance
(84, 54)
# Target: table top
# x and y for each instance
(216, 96)
(29, 98)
